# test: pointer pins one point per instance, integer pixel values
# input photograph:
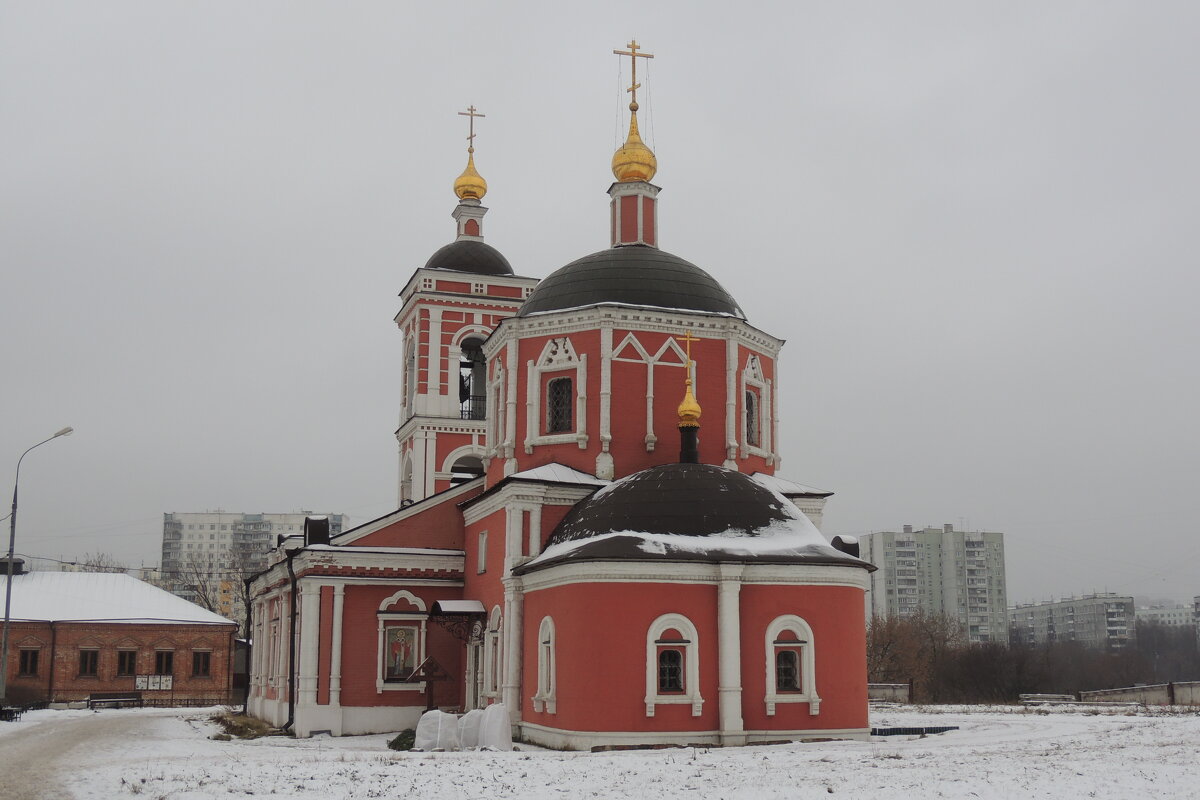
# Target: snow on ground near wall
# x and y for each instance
(998, 753)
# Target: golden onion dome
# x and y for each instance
(634, 161)
(470, 185)
(689, 409)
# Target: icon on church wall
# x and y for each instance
(400, 645)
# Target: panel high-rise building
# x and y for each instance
(940, 571)
(1104, 620)
(206, 555)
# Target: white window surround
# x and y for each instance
(481, 556)
(421, 618)
(807, 648)
(492, 655)
(752, 379)
(547, 684)
(558, 356)
(691, 665)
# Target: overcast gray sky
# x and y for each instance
(974, 223)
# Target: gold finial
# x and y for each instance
(689, 409)
(634, 161)
(470, 185)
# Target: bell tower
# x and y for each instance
(448, 308)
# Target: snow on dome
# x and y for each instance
(100, 597)
(786, 487)
(688, 512)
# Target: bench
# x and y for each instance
(115, 700)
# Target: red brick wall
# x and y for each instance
(58, 677)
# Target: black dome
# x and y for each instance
(684, 499)
(688, 512)
(467, 255)
(633, 275)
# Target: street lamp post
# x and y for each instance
(12, 541)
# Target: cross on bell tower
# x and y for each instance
(634, 217)
(470, 187)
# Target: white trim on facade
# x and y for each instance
(691, 665)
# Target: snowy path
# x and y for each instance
(998, 753)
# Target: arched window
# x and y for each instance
(559, 397)
(472, 392)
(491, 656)
(465, 469)
(406, 475)
(544, 699)
(791, 664)
(753, 438)
(673, 664)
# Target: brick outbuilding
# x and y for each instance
(75, 634)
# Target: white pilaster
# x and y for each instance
(731, 398)
(308, 647)
(510, 692)
(729, 633)
(335, 662)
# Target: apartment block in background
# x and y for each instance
(220, 549)
(940, 571)
(1103, 620)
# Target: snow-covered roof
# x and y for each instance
(786, 487)
(100, 597)
(459, 607)
(559, 473)
(401, 551)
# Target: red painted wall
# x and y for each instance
(439, 525)
(601, 647)
(360, 643)
(836, 616)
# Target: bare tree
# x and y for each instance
(100, 562)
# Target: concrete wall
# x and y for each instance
(1160, 694)
(890, 692)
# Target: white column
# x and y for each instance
(604, 460)
(729, 633)
(335, 660)
(308, 647)
(535, 530)
(510, 409)
(510, 690)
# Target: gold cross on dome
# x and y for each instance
(634, 55)
(687, 338)
(470, 113)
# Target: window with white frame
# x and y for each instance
(790, 660)
(567, 420)
(545, 697)
(673, 664)
(756, 411)
(752, 419)
(491, 655)
(401, 623)
(559, 399)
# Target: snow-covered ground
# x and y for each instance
(999, 752)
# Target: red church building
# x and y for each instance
(567, 542)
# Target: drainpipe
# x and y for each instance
(291, 681)
(53, 652)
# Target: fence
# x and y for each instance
(1186, 693)
(890, 692)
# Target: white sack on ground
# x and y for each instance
(496, 729)
(437, 730)
(468, 728)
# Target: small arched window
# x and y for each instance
(544, 699)
(559, 398)
(472, 371)
(791, 664)
(673, 664)
(753, 439)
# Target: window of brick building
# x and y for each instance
(201, 663)
(164, 662)
(559, 396)
(89, 662)
(29, 662)
(126, 662)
